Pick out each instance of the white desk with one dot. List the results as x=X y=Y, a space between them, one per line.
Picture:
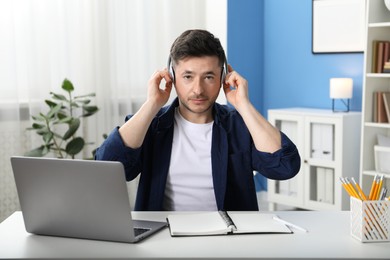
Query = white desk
x=328 y=237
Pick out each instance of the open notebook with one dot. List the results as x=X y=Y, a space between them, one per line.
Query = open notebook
x=222 y=222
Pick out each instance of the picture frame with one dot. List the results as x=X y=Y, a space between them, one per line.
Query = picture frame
x=338 y=26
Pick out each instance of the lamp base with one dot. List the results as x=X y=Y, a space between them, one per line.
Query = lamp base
x=343 y=101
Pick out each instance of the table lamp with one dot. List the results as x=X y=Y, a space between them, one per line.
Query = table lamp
x=341 y=88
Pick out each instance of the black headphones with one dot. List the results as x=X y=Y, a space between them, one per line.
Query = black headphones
x=223 y=75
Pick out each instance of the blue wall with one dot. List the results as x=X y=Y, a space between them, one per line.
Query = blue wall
x=245 y=44
x=269 y=43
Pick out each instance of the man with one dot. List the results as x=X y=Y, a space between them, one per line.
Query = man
x=196 y=154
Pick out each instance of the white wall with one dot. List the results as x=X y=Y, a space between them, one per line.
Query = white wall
x=110 y=47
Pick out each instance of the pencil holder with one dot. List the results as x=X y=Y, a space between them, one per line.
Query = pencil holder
x=370 y=220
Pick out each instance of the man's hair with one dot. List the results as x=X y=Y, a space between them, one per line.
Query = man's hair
x=197 y=43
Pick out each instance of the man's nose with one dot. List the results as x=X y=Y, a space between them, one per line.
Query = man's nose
x=197 y=88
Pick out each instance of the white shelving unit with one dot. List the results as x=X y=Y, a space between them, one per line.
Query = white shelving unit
x=378 y=28
x=328 y=143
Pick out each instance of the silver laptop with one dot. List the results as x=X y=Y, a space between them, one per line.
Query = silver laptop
x=77 y=198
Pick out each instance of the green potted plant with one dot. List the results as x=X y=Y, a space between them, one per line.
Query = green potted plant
x=58 y=127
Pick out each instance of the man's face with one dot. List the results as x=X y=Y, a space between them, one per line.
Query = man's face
x=197 y=82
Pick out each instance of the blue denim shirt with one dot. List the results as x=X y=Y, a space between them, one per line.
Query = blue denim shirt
x=233 y=158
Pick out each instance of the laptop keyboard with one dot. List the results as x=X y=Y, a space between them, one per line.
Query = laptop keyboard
x=139 y=231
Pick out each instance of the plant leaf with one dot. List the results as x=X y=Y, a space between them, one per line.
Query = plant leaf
x=75 y=146
x=43 y=116
x=38 y=118
x=37 y=126
x=63 y=120
x=45 y=149
x=73 y=126
x=54 y=110
x=37 y=152
x=50 y=103
x=61 y=115
x=86 y=95
x=42 y=131
x=67 y=85
x=83 y=101
x=89 y=110
x=59 y=96
x=47 y=137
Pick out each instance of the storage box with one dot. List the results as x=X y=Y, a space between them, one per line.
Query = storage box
x=382 y=159
x=370 y=220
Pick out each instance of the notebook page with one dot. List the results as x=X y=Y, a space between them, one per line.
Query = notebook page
x=195 y=224
x=257 y=222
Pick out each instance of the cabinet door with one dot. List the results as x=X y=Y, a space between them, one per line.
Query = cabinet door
x=288 y=192
x=320 y=161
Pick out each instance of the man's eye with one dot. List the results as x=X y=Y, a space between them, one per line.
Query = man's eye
x=210 y=77
x=187 y=76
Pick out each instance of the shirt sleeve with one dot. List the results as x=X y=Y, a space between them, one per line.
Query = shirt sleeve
x=280 y=165
x=114 y=149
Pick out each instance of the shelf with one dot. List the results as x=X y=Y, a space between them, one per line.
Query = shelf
x=378 y=75
x=378 y=29
x=377 y=125
x=373 y=173
x=376 y=25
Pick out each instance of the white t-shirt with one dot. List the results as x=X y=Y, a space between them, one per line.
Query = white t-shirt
x=190 y=183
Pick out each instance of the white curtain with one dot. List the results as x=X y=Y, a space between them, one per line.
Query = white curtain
x=108 y=47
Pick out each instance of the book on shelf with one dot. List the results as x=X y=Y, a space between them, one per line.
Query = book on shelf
x=379 y=62
x=223 y=223
x=374 y=107
x=380 y=55
x=386 y=67
x=380 y=114
x=386 y=102
x=374 y=56
x=386 y=55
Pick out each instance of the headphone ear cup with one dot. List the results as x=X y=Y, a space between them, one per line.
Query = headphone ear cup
x=170 y=69
x=223 y=76
x=224 y=72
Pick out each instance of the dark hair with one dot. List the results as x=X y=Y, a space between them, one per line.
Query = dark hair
x=197 y=43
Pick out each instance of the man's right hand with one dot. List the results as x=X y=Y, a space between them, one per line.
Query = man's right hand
x=134 y=130
x=159 y=96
